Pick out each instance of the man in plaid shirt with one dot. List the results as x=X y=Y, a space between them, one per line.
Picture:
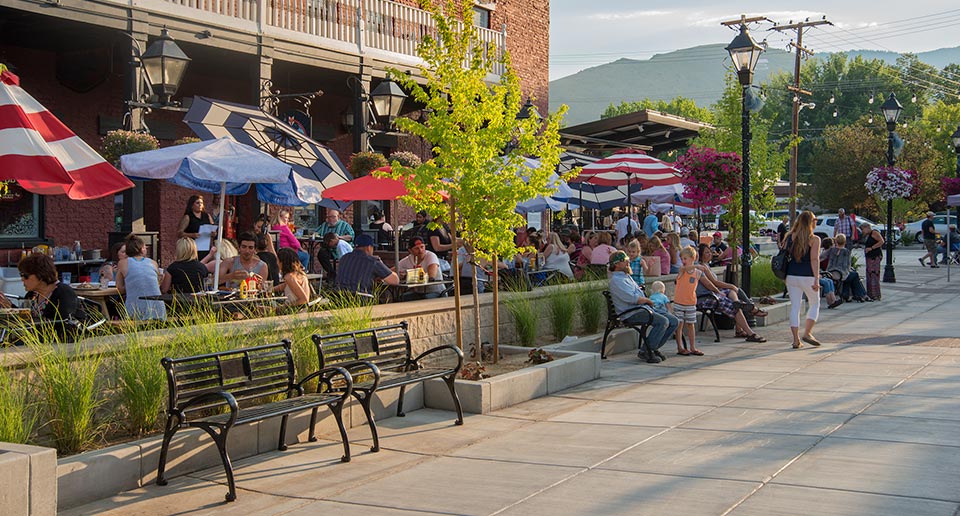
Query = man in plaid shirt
x=844 y=226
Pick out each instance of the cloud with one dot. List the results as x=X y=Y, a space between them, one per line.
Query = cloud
x=857 y=25
x=632 y=15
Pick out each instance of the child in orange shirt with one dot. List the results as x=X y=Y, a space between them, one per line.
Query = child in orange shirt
x=685 y=299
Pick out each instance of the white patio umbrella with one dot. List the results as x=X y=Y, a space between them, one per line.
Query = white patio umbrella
x=207 y=165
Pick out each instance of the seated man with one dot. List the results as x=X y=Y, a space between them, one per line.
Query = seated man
x=332 y=249
x=359 y=269
x=420 y=258
x=626 y=294
x=247 y=263
x=942 y=245
x=718 y=246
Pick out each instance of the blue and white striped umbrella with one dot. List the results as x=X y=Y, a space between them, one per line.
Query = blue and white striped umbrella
x=315 y=167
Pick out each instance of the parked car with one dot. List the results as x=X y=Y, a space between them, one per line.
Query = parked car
x=939 y=224
x=825 y=225
x=773 y=219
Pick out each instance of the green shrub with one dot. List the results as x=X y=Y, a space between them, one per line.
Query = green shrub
x=525 y=316
x=17 y=415
x=563 y=309
x=70 y=394
x=762 y=280
x=592 y=308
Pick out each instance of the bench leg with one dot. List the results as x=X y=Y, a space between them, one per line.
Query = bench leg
x=716 y=330
x=313 y=425
x=220 y=438
x=603 y=344
x=365 y=399
x=400 y=412
x=282 y=445
x=162 y=466
x=449 y=380
x=337 y=409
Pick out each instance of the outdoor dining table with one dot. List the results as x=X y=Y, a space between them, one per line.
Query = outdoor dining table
x=229 y=301
x=396 y=292
x=100 y=296
x=541 y=276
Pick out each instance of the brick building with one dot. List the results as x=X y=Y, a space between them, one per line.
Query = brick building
x=74 y=56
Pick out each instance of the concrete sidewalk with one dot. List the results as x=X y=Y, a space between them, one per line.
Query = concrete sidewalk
x=867 y=424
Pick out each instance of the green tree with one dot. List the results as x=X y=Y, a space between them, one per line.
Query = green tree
x=841 y=160
x=471 y=124
x=679 y=106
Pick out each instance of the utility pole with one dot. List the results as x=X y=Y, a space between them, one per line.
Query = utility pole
x=795 y=89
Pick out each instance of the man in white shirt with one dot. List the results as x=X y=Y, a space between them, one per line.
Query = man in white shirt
x=625 y=225
x=685 y=238
x=420 y=258
x=677 y=220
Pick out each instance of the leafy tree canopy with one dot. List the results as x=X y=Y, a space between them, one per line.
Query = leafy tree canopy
x=471 y=123
x=679 y=106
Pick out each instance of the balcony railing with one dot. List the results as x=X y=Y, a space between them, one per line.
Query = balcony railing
x=377 y=24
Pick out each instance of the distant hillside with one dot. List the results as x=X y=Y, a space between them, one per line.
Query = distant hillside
x=695 y=73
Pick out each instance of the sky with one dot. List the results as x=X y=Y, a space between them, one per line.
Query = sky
x=584 y=34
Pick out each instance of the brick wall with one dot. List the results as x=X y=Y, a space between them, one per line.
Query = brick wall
x=528 y=41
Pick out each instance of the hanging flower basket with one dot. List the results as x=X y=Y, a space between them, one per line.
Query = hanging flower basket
x=951 y=185
x=709 y=177
x=120 y=143
x=891 y=183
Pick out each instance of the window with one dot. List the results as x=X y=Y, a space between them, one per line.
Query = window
x=481 y=17
x=19 y=215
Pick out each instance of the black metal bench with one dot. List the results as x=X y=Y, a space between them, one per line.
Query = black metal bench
x=384 y=358
x=615 y=320
x=216 y=391
x=709 y=314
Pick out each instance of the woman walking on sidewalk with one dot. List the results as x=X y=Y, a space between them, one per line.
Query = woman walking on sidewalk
x=803 y=273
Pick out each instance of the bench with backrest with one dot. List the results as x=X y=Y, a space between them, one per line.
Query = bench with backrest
x=615 y=320
x=381 y=358
x=709 y=314
x=216 y=391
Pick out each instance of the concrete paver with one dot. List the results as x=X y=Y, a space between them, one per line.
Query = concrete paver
x=865 y=425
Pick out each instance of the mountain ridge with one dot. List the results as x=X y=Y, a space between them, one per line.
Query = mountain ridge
x=696 y=73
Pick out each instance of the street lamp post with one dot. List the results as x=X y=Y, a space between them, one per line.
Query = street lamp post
x=891 y=112
x=956 y=148
x=745 y=52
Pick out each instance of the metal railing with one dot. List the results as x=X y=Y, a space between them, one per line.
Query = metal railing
x=377 y=24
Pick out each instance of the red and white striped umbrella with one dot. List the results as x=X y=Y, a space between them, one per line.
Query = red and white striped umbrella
x=629 y=167
x=43 y=155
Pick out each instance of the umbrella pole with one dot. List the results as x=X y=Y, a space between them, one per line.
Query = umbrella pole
x=396 y=235
x=216 y=261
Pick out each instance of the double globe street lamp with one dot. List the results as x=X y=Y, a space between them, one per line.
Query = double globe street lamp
x=891 y=110
x=745 y=53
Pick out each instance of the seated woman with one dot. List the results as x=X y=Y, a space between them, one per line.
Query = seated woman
x=839 y=267
x=294 y=283
x=600 y=253
x=137 y=277
x=556 y=255
x=108 y=271
x=186 y=274
x=654 y=247
x=281 y=223
x=51 y=300
x=727 y=300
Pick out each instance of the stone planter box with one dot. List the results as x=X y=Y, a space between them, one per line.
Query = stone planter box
x=569 y=368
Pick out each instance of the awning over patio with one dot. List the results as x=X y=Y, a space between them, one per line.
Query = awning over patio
x=647 y=130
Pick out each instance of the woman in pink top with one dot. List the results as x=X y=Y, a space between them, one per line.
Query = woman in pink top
x=655 y=248
x=281 y=223
x=600 y=255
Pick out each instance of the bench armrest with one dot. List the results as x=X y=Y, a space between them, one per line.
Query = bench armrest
x=325 y=377
x=206 y=398
x=416 y=361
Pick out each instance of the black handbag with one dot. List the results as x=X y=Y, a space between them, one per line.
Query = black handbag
x=779 y=264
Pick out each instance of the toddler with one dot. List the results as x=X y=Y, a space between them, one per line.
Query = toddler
x=637 y=264
x=685 y=299
x=663 y=306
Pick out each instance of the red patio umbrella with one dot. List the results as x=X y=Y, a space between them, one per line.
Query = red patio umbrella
x=372 y=188
x=629 y=167
x=43 y=155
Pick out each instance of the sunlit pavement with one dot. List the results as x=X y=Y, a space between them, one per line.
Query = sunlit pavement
x=867 y=424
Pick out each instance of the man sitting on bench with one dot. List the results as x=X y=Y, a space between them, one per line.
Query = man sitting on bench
x=626 y=294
